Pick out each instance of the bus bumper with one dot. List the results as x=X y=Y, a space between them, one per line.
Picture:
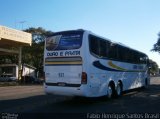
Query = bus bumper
x=66 y=91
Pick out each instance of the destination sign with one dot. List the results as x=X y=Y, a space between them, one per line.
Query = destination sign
x=64 y=53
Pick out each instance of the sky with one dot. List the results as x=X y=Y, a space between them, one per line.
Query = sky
x=135 y=23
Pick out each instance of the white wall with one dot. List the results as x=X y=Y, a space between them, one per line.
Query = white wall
x=28 y=71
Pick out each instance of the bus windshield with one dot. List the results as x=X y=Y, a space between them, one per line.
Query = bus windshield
x=64 y=41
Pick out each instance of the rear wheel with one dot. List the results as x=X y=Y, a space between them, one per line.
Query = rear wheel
x=110 y=91
x=119 y=89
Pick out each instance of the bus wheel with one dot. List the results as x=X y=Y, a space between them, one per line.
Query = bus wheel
x=119 y=89
x=110 y=91
x=146 y=83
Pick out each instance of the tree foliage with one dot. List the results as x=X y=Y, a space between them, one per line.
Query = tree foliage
x=9 y=59
x=156 y=46
x=154 y=67
x=33 y=55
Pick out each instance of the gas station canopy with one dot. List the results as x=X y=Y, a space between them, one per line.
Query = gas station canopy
x=11 y=39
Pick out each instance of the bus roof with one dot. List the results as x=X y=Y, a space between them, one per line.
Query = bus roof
x=90 y=32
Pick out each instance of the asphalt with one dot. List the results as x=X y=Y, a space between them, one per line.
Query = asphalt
x=31 y=100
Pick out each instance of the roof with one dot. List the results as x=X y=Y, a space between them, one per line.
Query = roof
x=26 y=65
x=14 y=37
x=6 y=65
x=29 y=66
x=11 y=39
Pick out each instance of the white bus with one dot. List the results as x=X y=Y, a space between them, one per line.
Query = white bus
x=81 y=63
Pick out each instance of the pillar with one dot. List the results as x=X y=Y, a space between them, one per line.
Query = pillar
x=20 y=64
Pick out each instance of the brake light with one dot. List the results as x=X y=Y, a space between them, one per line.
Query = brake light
x=84 y=78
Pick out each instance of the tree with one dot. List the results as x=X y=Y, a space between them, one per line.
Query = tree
x=33 y=55
x=154 y=67
x=8 y=59
x=156 y=46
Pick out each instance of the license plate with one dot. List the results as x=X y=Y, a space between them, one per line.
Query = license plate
x=61 y=84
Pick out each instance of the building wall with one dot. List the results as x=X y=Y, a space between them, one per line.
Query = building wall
x=13 y=69
x=27 y=71
x=9 y=69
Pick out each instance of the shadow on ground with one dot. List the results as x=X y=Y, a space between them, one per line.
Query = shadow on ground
x=134 y=101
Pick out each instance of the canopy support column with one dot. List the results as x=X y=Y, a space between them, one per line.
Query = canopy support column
x=20 y=64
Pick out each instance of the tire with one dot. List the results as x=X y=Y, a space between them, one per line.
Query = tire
x=110 y=92
x=118 y=90
x=146 y=84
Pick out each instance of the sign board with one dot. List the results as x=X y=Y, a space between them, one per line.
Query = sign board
x=15 y=35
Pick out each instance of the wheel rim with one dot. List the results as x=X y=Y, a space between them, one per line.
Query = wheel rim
x=110 y=92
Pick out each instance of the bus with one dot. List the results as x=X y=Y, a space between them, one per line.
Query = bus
x=81 y=63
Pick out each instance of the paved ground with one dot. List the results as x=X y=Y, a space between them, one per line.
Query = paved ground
x=17 y=92
x=32 y=100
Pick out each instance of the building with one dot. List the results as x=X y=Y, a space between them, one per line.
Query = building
x=10 y=71
x=11 y=42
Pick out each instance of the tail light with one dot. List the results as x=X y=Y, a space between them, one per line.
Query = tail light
x=84 y=78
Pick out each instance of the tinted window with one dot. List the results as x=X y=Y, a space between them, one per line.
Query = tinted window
x=106 y=49
x=94 y=45
x=112 y=51
x=102 y=48
x=64 y=41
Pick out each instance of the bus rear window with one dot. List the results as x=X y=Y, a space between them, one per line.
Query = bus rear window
x=64 y=41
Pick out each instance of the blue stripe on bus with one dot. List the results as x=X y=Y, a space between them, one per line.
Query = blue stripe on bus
x=62 y=64
x=98 y=65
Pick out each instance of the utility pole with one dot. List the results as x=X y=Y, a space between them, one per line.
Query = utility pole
x=22 y=22
x=20 y=70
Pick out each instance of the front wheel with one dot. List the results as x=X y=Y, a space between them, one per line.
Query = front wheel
x=146 y=83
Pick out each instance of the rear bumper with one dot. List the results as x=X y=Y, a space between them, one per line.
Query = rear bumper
x=70 y=90
x=63 y=84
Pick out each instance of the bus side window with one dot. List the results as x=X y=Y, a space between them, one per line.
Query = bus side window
x=112 y=51
x=103 y=48
x=94 y=45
